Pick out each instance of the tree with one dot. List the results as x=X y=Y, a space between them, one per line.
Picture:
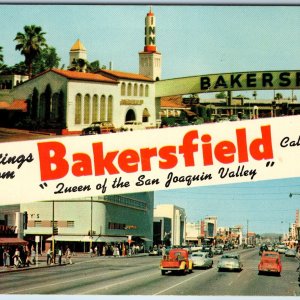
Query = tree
x=30 y=43
x=79 y=65
x=221 y=95
x=47 y=59
x=278 y=96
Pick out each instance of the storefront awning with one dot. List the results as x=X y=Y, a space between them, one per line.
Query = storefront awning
x=146 y=239
x=86 y=238
x=12 y=241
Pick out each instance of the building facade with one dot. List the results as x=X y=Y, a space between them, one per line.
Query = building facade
x=178 y=222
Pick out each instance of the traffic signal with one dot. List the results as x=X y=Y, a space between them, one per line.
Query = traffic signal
x=55 y=231
x=25 y=219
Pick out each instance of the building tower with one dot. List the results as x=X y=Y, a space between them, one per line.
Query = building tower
x=78 y=51
x=150 y=59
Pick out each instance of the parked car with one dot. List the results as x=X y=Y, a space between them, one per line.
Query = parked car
x=208 y=250
x=176 y=261
x=270 y=262
x=132 y=125
x=281 y=249
x=230 y=261
x=218 y=250
x=98 y=128
x=290 y=253
x=155 y=251
x=201 y=260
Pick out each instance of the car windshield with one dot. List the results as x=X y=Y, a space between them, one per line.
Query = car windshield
x=198 y=254
x=271 y=255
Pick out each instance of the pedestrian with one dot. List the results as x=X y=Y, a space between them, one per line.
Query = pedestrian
x=96 y=251
x=7 y=258
x=33 y=254
x=17 y=258
x=91 y=252
x=49 y=256
x=59 y=253
x=68 y=256
x=104 y=250
x=4 y=256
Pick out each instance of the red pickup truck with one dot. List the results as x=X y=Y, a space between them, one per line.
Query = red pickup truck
x=176 y=261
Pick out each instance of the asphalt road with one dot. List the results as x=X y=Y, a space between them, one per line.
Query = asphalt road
x=141 y=276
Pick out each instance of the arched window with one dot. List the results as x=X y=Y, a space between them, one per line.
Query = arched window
x=129 y=89
x=135 y=89
x=110 y=108
x=141 y=94
x=78 y=109
x=147 y=90
x=55 y=106
x=102 y=108
x=95 y=109
x=146 y=115
x=123 y=89
x=130 y=115
x=42 y=107
x=86 y=109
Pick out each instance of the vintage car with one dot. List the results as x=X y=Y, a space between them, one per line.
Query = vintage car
x=208 y=250
x=201 y=260
x=262 y=249
x=177 y=260
x=290 y=253
x=218 y=250
x=132 y=125
x=270 y=262
x=230 y=261
x=98 y=128
x=281 y=249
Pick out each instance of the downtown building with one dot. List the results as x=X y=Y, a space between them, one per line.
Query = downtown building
x=73 y=100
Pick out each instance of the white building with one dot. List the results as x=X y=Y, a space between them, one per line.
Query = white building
x=178 y=221
x=71 y=100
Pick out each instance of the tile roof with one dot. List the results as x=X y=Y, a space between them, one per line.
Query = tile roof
x=4 y=105
x=18 y=105
x=124 y=75
x=172 y=101
x=83 y=76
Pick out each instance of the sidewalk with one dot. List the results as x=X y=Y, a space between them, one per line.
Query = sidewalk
x=78 y=257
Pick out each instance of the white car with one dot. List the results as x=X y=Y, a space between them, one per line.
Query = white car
x=201 y=260
x=132 y=125
x=230 y=261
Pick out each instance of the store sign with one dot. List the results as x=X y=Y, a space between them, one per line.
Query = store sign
x=131 y=102
x=237 y=81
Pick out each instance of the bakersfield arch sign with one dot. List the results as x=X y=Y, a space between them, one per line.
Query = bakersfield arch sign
x=243 y=81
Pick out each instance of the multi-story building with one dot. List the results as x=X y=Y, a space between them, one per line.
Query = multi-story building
x=178 y=222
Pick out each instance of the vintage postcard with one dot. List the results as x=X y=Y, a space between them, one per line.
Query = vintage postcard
x=149 y=150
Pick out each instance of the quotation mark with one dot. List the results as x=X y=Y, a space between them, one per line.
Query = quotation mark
x=270 y=164
x=42 y=185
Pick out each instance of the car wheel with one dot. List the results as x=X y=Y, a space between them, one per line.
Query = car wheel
x=163 y=272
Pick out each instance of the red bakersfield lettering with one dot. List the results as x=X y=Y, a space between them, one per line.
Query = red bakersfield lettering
x=54 y=165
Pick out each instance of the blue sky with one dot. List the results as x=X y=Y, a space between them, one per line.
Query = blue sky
x=193 y=40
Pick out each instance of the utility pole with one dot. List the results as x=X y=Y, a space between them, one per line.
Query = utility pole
x=247 y=231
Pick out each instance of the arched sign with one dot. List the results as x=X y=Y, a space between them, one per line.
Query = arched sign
x=239 y=81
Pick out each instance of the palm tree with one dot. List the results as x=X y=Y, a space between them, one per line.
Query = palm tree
x=1 y=55
x=30 y=44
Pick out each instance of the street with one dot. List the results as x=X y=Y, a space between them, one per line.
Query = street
x=141 y=276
